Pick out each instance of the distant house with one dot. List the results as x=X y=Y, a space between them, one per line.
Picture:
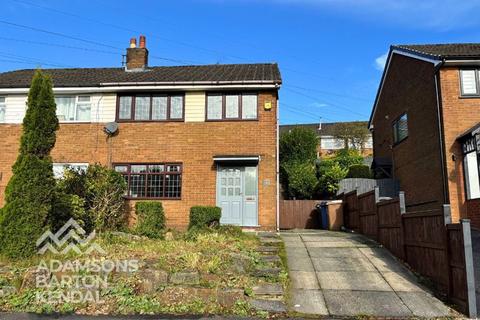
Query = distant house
x=426 y=126
x=329 y=143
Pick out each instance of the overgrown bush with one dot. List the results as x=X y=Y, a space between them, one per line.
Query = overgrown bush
x=331 y=174
x=302 y=179
x=150 y=219
x=346 y=158
x=29 y=194
x=102 y=189
x=203 y=216
x=298 y=145
x=359 y=171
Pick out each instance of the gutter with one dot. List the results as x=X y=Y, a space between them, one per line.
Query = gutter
x=446 y=196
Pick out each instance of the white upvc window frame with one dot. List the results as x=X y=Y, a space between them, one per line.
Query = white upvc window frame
x=60 y=167
x=476 y=84
x=78 y=103
x=3 y=109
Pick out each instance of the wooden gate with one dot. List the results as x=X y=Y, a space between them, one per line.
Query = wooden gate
x=299 y=214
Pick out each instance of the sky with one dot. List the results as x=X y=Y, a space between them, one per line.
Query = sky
x=331 y=53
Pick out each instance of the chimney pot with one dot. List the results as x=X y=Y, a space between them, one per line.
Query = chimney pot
x=133 y=42
x=143 y=41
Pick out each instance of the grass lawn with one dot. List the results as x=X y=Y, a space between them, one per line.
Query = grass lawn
x=202 y=273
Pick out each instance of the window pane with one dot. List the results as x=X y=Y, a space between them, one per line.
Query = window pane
x=173 y=185
x=231 y=106
x=2 y=99
x=125 y=111
x=469 y=83
x=121 y=168
x=400 y=129
x=250 y=181
x=173 y=168
x=140 y=168
x=2 y=113
x=153 y=168
x=214 y=107
x=84 y=99
x=471 y=175
x=155 y=186
x=65 y=108
x=137 y=185
x=159 y=108
x=142 y=108
x=83 y=112
x=249 y=106
x=176 y=107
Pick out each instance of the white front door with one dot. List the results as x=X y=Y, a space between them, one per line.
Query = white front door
x=237 y=195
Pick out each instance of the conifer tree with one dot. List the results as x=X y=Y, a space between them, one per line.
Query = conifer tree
x=29 y=195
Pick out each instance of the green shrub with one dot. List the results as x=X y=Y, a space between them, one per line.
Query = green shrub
x=201 y=216
x=299 y=145
x=330 y=175
x=150 y=219
x=302 y=179
x=102 y=190
x=30 y=191
x=359 y=171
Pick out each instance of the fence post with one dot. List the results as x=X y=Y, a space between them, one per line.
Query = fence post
x=375 y=207
x=401 y=200
x=467 y=245
x=447 y=214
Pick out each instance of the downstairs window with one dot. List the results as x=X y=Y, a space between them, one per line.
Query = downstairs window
x=152 y=180
x=470 y=168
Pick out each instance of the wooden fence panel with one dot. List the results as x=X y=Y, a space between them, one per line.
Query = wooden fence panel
x=367 y=214
x=457 y=288
x=299 y=214
x=390 y=229
x=352 y=219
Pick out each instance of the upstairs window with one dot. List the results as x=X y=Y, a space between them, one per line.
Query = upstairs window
x=3 y=108
x=469 y=82
x=232 y=106
x=400 y=128
x=73 y=108
x=152 y=181
x=147 y=107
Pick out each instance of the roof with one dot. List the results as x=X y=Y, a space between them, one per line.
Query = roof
x=327 y=129
x=470 y=132
x=195 y=74
x=446 y=51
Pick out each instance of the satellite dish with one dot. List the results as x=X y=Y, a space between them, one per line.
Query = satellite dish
x=110 y=128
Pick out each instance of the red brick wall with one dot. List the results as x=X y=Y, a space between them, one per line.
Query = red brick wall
x=460 y=114
x=192 y=143
x=410 y=87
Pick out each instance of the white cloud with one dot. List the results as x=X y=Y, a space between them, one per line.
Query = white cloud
x=380 y=61
x=318 y=105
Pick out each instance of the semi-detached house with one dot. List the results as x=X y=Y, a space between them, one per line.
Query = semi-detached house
x=187 y=135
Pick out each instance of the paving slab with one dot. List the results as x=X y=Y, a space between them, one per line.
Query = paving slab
x=382 y=259
x=334 y=252
x=402 y=282
x=296 y=252
x=308 y=302
x=300 y=264
x=366 y=303
x=315 y=238
x=352 y=280
x=268 y=305
x=342 y=264
x=304 y=280
x=294 y=244
x=335 y=244
x=424 y=305
x=270 y=289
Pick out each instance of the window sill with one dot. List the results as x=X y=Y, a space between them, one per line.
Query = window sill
x=150 y=121
x=230 y=120
x=473 y=96
x=74 y=122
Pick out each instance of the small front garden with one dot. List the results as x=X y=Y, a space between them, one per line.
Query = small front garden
x=212 y=271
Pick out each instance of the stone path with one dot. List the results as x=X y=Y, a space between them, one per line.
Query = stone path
x=343 y=274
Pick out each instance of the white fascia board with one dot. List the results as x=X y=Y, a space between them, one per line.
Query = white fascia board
x=462 y=63
x=120 y=88
x=435 y=62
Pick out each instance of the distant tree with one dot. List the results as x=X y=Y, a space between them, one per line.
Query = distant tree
x=29 y=196
x=354 y=134
x=299 y=144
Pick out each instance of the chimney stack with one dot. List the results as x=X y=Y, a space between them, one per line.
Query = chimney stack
x=137 y=58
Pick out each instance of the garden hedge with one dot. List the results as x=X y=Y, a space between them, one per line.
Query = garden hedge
x=203 y=216
x=150 y=219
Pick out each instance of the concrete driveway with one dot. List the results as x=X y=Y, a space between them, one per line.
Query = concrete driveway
x=344 y=274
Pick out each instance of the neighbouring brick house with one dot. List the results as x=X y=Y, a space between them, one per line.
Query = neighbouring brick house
x=426 y=126
x=328 y=142
x=187 y=135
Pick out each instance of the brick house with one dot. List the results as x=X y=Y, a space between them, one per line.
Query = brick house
x=426 y=124
x=187 y=135
x=328 y=143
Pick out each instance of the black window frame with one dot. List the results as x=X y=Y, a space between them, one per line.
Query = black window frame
x=395 y=129
x=477 y=85
x=151 y=95
x=164 y=173
x=224 y=105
